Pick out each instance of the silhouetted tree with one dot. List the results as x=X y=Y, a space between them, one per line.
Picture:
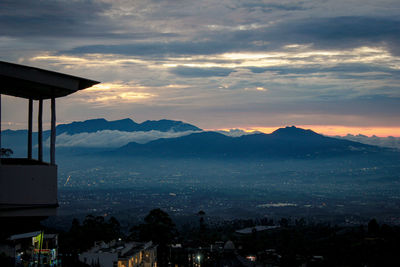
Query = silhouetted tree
x=75 y=226
x=386 y=230
x=373 y=227
x=82 y=236
x=6 y=152
x=114 y=227
x=202 y=225
x=284 y=222
x=158 y=227
x=300 y=222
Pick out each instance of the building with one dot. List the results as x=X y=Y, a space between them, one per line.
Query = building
x=121 y=254
x=144 y=255
x=35 y=248
x=28 y=186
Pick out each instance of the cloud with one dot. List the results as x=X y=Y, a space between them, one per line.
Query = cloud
x=108 y=93
x=268 y=7
x=236 y=132
x=343 y=32
x=53 y=18
x=201 y=72
x=236 y=61
x=162 y=48
x=346 y=32
x=390 y=141
x=112 y=139
x=340 y=68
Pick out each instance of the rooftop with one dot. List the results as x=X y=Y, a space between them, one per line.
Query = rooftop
x=29 y=82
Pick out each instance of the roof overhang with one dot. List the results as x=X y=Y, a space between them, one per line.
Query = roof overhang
x=34 y=83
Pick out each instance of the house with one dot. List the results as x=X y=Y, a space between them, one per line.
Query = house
x=140 y=256
x=121 y=254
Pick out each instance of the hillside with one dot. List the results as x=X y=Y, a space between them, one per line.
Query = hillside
x=285 y=142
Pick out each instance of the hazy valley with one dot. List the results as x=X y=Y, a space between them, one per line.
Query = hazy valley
x=290 y=173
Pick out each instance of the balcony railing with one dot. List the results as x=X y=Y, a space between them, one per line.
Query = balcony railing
x=27 y=184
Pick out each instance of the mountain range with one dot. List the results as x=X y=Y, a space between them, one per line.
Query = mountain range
x=124 y=125
x=17 y=139
x=289 y=142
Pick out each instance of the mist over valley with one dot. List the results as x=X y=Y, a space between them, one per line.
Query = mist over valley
x=114 y=169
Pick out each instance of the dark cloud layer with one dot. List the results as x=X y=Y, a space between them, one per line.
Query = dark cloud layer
x=157 y=48
x=364 y=70
x=268 y=7
x=343 y=32
x=332 y=32
x=323 y=33
x=53 y=18
x=86 y=19
x=201 y=72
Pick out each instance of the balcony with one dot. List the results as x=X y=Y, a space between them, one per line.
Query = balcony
x=28 y=187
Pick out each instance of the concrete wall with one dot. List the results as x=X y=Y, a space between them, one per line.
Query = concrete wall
x=28 y=185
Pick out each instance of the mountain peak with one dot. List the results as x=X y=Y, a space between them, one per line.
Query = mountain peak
x=293 y=131
x=89 y=121
x=165 y=125
x=125 y=120
x=288 y=142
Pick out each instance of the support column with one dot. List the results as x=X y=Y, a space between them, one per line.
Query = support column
x=40 y=131
x=30 y=119
x=53 y=132
x=0 y=128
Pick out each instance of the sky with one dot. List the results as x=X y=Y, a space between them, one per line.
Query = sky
x=328 y=65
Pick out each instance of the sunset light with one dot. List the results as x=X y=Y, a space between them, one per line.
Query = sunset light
x=199 y=133
x=338 y=130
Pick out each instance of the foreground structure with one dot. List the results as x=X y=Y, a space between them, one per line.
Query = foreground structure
x=28 y=186
x=33 y=249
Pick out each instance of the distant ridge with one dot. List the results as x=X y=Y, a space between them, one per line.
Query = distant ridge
x=125 y=125
x=293 y=131
x=290 y=142
x=17 y=140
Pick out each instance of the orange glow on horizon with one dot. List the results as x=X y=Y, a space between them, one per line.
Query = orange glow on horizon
x=344 y=130
x=332 y=130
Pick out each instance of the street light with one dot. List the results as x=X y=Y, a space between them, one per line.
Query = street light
x=198 y=259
